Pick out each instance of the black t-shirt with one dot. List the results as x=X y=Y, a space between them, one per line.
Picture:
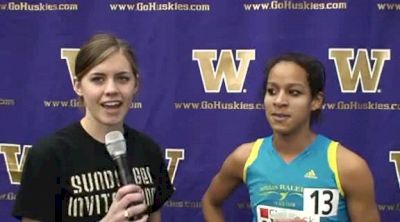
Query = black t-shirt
x=69 y=176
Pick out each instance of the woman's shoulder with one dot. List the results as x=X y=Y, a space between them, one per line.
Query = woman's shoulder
x=352 y=168
x=56 y=139
x=234 y=164
x=345 y=156
x=141 y=138
x=243 y=151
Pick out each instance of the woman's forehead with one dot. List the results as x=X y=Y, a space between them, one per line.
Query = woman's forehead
x=287 y=72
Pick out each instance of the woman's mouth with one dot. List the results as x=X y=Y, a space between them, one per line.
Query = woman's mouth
x=111 y=104
x=280 y=116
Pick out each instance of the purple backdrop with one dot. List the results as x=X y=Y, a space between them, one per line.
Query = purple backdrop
x=201 y=65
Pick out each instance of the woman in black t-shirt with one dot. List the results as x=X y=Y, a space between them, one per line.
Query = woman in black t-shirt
x=69 y=176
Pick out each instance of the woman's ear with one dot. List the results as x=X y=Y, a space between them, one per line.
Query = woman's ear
x=317 y=101
x=77 y=87
x=137 y=83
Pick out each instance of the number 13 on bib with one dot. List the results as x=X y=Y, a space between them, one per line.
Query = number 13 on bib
x=321 y=202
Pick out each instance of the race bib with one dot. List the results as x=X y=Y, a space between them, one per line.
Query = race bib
x=277 y=214
x=321 y=202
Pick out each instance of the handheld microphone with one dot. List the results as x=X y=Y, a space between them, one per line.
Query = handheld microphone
x=116 y=147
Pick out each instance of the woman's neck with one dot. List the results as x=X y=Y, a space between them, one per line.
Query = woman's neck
x=98 y=130
x=290 y=145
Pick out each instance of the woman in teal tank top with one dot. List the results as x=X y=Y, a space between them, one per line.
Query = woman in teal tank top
x=295 y=174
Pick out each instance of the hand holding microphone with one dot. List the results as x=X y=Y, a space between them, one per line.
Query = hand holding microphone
x=128 y=204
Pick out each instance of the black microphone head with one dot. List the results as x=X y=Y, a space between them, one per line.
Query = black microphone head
x=115 y=143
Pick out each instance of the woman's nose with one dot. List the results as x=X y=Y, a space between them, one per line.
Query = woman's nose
x=281 y=99
x=110 y=87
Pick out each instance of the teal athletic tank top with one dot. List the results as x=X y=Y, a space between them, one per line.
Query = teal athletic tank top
x=305 y=189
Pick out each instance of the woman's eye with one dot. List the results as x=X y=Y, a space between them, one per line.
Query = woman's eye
x=123 y=78
x=295 y=92
x=97 y=79
x=271 y=91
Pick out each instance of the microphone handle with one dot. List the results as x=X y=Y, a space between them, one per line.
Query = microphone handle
x=125 y=173
x=126 y=177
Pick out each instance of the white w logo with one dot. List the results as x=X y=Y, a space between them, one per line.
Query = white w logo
x=350 y=77
x=226 y=69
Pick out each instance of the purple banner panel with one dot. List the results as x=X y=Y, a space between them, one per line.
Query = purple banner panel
x=201 y=66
